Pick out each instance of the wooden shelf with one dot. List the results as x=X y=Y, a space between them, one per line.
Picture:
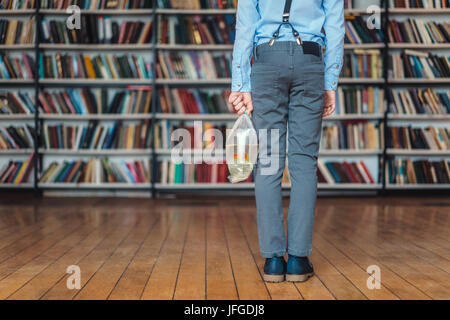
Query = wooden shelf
x=360 y=81
x=349 y=153
x=17 y=47
x=23 y=12
x=95 y=152
x=417 y=152
x=86 y=117
x=88 y=82
x=409 y=11
x=99 y=47
x=226 y=81
x=417 y=186
x=16 y=186
x=419 y=80
x=94 y=186
x=107 y=12
x=15 y=152
x=364 y=46
x=419 y=117
x=224 y=47
x=13 y=117
x=15 y=82
x=419 y=46
x=192 y=11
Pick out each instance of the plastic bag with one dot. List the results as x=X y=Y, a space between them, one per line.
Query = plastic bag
x=241 y=149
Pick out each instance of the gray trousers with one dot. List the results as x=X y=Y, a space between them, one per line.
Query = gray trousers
x=288 y=99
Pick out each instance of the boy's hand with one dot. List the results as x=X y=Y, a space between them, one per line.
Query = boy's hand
x=242 y=101
x=330 y=103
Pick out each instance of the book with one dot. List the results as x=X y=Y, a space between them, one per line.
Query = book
x=363 y=64
x=356 y=31
x=17 y=137
x=418 y=64
x=95 y=5
x=97 y=136
x=193 y=101
x=80 y=66
x=360 y=100
x=132 y=100
x=413 y=138
x=414 y=101
x=197 y=4
x=16 y=102
x=17 y=172
x=199 y=29
x=352 y=135
x=193 y=65
x=418 y=31
x=17 y=31
x=17 y=67
x=97 y=171
x=407 y=171
x=17 y=5
x=97 y=30
x=414 y=4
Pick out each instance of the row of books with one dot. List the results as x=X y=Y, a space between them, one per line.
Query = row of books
x=202 y=135
x=418 y=101
x=356 y=31
x=16 y=137
x=418 y=31
x=134 y=100
x=16 y=172
x=17 y=4
x=104 y=66
x=426 y=4
x=417 y=64
x=169 y=172
x=137 y=100
x=197 y=4
x=97 y=136
x=409 y=138
x=356 y=100
x=16 y=103
x=97 y=4
x=408 y=171
x=15 y=67
x=193 y=65
x=218 y=29
x=333 y=172
x=363 y=64
x=191 y=101
x=17 y=31
x=97 y=30
x=96 y=171
x=356 y=135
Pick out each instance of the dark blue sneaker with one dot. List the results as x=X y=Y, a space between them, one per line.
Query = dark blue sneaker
x=299 y=269
x=274 y=269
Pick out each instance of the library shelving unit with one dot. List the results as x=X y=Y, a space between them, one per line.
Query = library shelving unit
x=45 y=156
x=375 y=159
x=438 y=84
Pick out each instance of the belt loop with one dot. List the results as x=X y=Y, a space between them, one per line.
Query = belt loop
x=291 y=48
x=255 y=57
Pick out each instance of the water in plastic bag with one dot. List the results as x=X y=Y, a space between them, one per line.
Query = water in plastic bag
x=241 y=149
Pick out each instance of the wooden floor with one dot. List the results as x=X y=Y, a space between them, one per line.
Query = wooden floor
x=208 y=249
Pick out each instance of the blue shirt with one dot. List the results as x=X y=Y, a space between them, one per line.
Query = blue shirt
x=257 y=20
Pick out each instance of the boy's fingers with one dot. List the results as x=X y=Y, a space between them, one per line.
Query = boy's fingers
x=238 y=100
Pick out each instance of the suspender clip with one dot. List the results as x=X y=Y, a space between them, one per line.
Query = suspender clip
x=297 y=37
x=272 y=41
x=286 y=17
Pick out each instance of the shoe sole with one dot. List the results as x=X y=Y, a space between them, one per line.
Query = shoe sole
x=273 y=278
x=298 y=277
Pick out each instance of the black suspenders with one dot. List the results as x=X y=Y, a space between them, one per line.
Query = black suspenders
x=286 y=16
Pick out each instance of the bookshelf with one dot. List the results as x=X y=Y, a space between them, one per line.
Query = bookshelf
x=376 y=158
